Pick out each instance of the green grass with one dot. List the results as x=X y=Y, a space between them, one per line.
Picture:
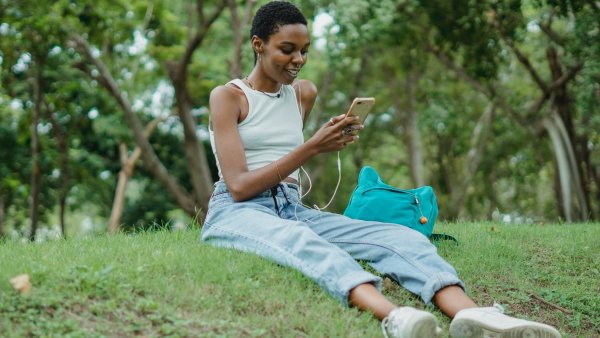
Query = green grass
x=171 y=284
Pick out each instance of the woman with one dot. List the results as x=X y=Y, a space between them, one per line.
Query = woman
x=256 y=134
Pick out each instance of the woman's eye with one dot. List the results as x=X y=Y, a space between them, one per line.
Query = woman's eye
x=287 y=51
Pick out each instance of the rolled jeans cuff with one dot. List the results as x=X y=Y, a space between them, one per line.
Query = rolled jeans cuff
x=438 y=282
x=352 y=280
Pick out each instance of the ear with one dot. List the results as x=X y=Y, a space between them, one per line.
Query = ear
x=257 y=44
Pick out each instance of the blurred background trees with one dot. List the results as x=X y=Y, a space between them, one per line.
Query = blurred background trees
x=103 y=106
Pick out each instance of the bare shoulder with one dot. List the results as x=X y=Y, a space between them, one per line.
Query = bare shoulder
x=226 y=99
x=225 y=93
x=308 y=90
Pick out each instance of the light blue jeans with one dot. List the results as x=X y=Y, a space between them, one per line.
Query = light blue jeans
x=325 y=246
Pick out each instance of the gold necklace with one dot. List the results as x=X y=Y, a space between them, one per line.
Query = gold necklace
x=271 y=95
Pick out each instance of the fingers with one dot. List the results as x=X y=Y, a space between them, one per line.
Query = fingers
x=343 y=121
x=334 y=120
x=346 y=140
x=349 y=125
x=338 y=132
x=352 y=129
x=352 y=139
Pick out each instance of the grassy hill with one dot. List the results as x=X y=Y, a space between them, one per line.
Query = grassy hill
x=171 y=284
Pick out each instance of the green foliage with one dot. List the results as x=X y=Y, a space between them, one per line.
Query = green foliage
x=473 y=36
x=370 y=49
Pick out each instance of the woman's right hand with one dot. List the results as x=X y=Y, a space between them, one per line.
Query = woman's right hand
x=331 y=136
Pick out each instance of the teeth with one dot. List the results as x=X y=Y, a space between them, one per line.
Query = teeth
x=293 y=72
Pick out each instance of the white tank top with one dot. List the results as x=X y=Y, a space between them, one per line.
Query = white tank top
x=271 y=130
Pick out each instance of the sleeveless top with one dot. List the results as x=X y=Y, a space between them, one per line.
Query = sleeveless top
x=272 y=128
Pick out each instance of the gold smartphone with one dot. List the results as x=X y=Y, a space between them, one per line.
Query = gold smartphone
x=361 y=106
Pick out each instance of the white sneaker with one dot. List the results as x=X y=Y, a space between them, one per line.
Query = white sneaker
x=408 y=322
x=491 y=322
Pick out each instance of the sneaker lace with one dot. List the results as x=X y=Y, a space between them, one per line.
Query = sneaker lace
x=391 y=325
x=498 y=307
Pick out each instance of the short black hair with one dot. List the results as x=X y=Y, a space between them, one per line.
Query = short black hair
x=273 y=15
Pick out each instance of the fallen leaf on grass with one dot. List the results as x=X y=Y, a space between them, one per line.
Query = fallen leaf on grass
x=21 y=283
x=387 y=283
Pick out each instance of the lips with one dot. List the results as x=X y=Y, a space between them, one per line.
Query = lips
x=293 y=72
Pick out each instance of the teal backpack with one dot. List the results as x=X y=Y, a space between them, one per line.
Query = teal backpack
x=373 y=200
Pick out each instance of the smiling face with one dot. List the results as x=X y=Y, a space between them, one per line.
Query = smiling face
x=284 y=54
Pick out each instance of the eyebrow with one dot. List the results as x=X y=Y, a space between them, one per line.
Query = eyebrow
x=293 y=44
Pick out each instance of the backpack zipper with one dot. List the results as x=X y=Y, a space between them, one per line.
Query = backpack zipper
x=422 y=219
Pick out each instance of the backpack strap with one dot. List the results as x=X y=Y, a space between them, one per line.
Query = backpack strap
x=436 y=239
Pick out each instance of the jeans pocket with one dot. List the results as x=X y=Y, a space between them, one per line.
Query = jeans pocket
x=219 y=200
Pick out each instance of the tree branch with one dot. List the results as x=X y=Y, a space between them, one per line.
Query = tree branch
x=520 y=56
x=489 y=92
x=200 y=11
x=237 y=25
x=446 y=61
x=554 y=85
x=536 y=297
x=197 y=39
x=524 y=60
x=151 y=160
x=200 y=178
x=566 y=77
x=547 y=29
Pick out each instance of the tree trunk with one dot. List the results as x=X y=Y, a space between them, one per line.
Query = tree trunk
x=490 y=192
x=564 y=169
x=561 y=131
x=36 y=171
x=194 y=150
x=548 y=90
x=406 y=114
x=575 y=146
x=2 y=234
x=63 y=202
x=413 y=133
x=443 y=184
x=125 y=174
x=594 y=176
x=199 y=171
x=237 y=28
x=118 y=203
x=63 y=148
x=151 y=161
x=178 y=72
x=471 y=162
x=360 y=75
x=570 y=181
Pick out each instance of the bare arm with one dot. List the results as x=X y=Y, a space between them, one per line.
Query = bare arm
x=226 y=107
x=306 y=91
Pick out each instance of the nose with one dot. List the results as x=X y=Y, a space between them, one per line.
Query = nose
x=298 y=59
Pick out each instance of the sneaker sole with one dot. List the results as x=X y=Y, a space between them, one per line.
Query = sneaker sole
x=467 y=328
x=426 y=327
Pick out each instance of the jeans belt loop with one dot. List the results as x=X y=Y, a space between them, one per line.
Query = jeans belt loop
x=274 y=195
